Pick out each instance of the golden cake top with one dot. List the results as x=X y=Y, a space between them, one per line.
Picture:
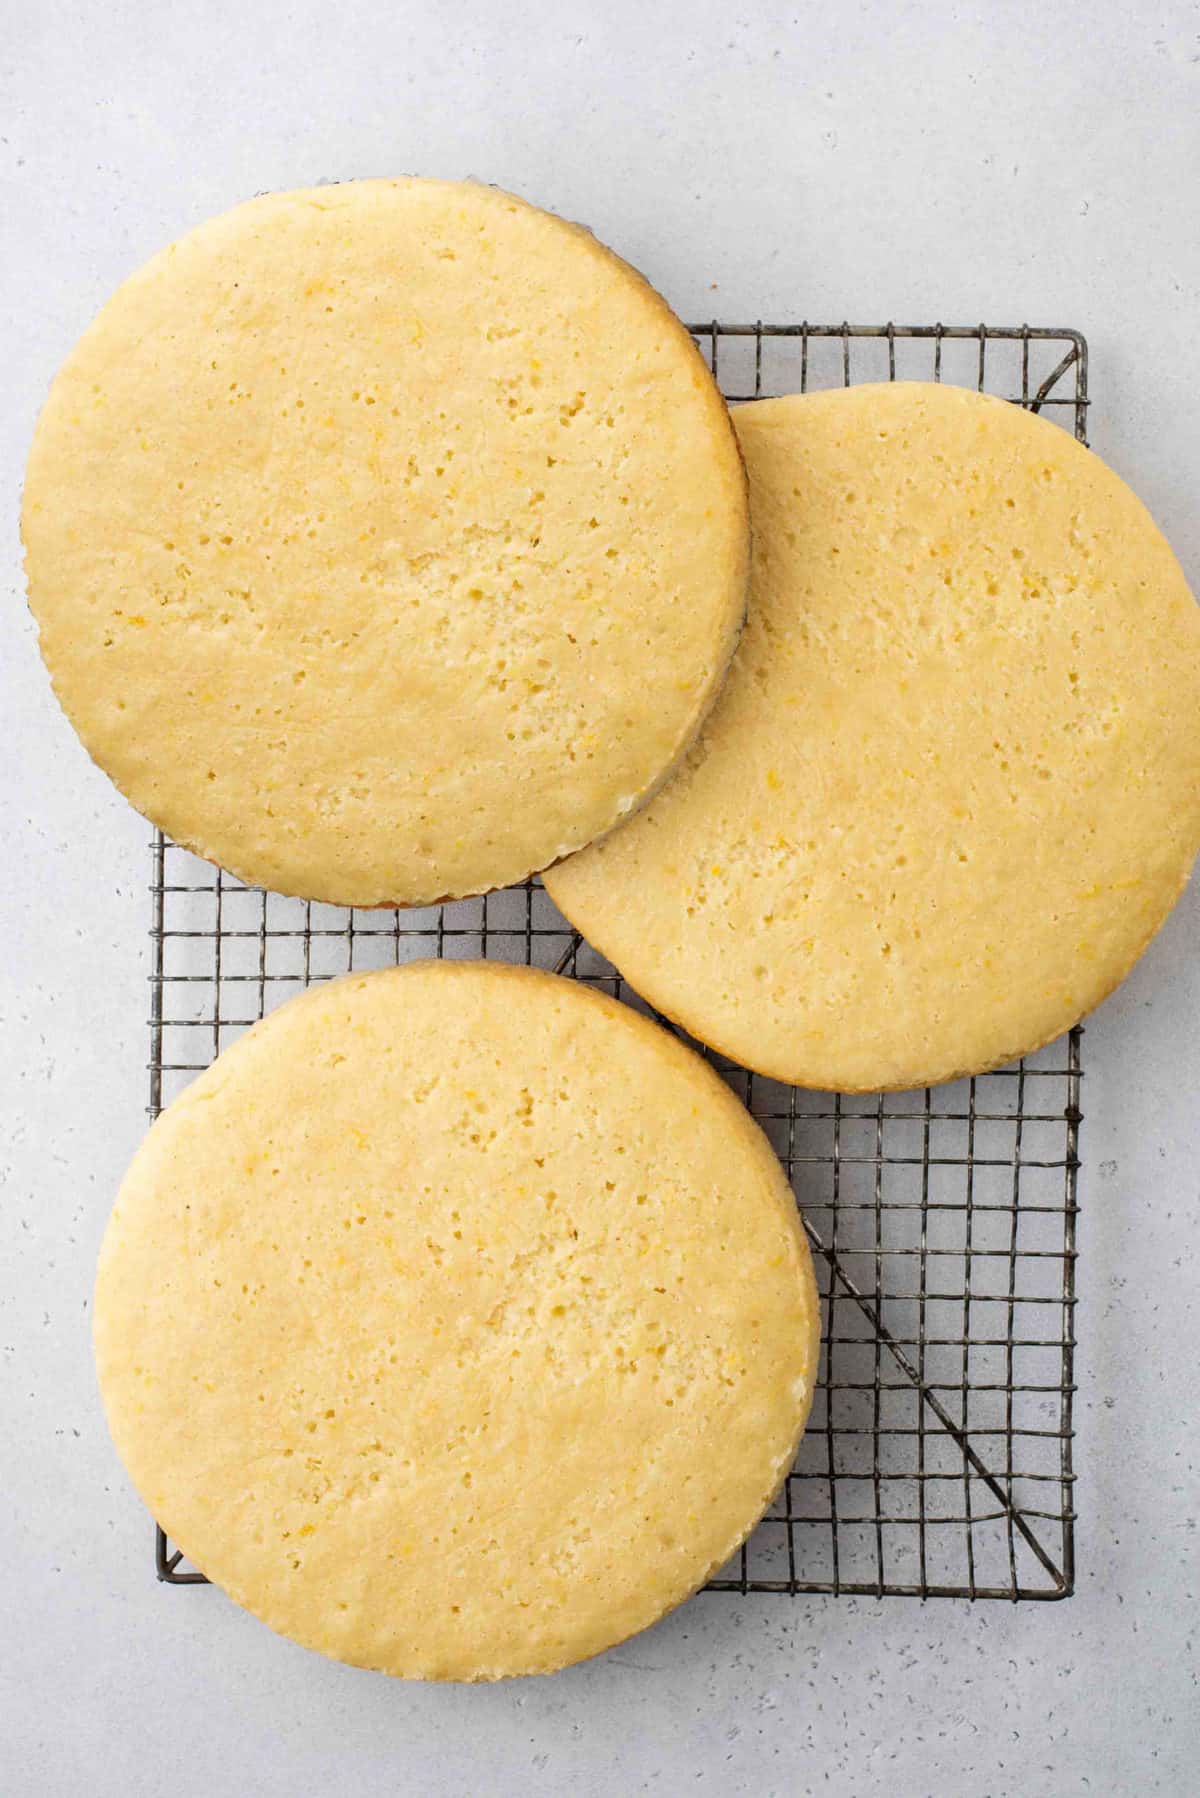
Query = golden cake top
x=386 y=540
x=952 y=785
x=457 y=1321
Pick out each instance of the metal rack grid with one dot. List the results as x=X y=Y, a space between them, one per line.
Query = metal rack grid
x=937 y=1462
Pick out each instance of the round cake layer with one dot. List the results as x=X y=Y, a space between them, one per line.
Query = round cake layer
x=456 y=1321
x=386 y=541
x=952 y=785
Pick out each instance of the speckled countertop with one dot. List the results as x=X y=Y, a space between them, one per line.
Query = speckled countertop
x=999 y=160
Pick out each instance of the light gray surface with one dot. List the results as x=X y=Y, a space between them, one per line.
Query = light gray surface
x=916 y=161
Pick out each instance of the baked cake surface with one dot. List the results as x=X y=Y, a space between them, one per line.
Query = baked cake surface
x=456 y=1321
x=951 y=788
x=386 y=540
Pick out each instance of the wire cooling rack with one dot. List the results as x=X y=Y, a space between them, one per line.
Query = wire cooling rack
x=937 y=1462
